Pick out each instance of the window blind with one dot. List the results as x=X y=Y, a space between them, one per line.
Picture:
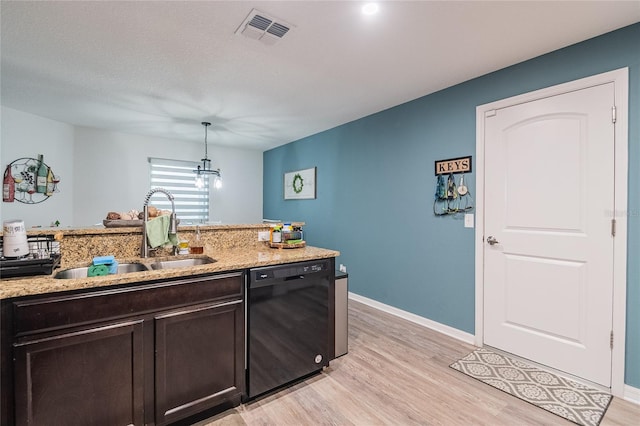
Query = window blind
x=177 y=177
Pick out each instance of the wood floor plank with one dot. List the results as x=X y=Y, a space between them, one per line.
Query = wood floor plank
x=397 y=373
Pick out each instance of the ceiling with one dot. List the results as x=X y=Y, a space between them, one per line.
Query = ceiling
x=160 y=68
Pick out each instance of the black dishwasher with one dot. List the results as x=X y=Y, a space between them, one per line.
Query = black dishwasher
x=287 y=323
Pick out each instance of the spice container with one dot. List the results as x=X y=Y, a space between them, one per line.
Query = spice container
x=276 y=234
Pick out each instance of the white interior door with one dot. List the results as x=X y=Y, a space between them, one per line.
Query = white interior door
x=549 y=198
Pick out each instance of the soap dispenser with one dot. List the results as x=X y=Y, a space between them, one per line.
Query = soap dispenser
x=196 y=246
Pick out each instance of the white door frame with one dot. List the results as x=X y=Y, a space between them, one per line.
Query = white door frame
x=620 y=78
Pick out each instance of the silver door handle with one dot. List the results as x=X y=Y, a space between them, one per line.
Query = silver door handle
x=491 y=240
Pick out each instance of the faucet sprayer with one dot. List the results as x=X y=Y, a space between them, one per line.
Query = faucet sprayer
x=173 y=224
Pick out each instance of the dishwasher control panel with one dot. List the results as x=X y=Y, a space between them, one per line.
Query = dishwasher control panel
x=313 y=268
x=289 y=270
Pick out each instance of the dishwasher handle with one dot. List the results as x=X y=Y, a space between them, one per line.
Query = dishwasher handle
x=294 y=277
x=274 y=282
x=288 y=272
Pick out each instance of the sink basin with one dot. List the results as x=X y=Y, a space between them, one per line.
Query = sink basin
x=181 y=263
x=123 y=268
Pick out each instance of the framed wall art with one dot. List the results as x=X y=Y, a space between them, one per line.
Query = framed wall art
x=300 y=185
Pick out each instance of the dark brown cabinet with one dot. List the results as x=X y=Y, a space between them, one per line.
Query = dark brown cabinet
x=197 y=359
x=88 y=377
x=149 y=353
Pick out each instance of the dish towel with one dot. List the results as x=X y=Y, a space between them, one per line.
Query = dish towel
x=158 y=232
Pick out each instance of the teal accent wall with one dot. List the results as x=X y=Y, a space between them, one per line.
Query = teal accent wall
x=375 y=186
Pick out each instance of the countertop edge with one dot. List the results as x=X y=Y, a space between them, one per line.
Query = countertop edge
x=226 y=261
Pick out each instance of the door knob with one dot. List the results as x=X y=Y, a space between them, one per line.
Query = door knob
x=491 y=240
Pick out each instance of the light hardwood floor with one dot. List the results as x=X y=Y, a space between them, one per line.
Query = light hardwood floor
x=397 y=373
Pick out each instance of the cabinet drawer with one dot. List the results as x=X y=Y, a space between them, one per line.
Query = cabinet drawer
x=51 y=313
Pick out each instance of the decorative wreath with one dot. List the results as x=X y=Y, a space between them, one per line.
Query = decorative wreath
x=297 y=183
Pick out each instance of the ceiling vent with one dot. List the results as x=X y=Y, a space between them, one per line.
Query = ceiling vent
x=260 y=26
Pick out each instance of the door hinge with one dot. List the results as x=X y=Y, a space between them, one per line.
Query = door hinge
x=613 y=114
x=611 y=340
x=490 y=113
x=613 y=227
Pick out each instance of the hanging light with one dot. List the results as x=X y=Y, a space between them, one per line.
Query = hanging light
x=205 y=169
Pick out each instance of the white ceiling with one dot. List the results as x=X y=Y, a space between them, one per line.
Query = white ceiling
x=160 y=68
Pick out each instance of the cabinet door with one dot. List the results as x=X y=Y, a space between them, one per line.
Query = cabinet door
x=199 y=359
x=87 y=377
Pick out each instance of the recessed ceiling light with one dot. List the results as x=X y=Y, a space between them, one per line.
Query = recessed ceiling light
x=370 y=8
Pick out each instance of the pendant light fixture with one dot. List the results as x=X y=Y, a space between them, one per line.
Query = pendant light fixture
x=205 y=169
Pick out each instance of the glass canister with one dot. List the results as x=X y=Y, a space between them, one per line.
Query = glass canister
x=196 y=246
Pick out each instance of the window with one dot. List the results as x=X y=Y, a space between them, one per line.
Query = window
x=177 y=177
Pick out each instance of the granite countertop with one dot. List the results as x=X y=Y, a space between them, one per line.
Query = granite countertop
x=226 y=260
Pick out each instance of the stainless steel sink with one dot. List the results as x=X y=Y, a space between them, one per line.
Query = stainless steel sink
x=123 y=268
x=181 y=263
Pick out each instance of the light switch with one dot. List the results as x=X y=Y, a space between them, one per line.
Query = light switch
x=468 y=220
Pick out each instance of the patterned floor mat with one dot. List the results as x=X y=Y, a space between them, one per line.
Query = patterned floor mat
x=576 y=402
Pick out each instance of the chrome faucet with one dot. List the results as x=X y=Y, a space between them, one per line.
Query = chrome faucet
x=173 y=224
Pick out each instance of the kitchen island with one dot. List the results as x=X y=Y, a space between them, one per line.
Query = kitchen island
x=146 y=347
x=233 y=247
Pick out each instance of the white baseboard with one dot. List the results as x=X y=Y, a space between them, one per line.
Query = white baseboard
x=417 y=319
x=632 y=394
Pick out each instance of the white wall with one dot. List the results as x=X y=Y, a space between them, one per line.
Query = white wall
x=27 y=135
x=106 y=171
x=112 y=174
x=240 y=198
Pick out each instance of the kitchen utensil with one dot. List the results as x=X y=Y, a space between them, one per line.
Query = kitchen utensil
x=14 y=239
